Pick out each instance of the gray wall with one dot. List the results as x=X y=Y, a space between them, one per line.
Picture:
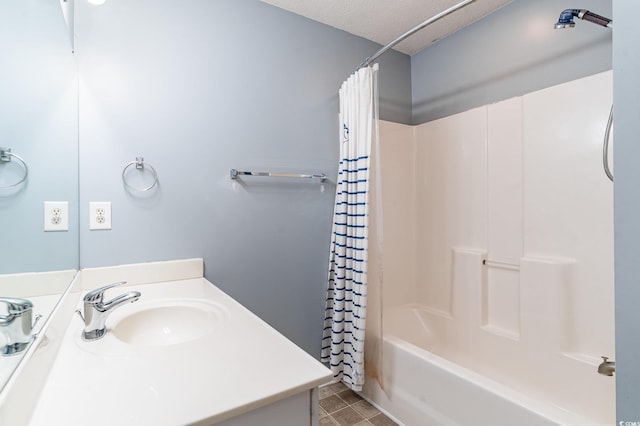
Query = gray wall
x=38 y=121
x=202 y=87
x=511 y=52
x=626 y=93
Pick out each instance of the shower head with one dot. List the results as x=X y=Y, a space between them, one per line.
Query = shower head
x=566 y=18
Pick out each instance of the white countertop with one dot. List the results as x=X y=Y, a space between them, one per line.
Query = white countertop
x=243 y=364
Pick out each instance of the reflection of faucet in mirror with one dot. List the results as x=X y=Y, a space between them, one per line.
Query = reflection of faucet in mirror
x=16 y=326
x=96 y=310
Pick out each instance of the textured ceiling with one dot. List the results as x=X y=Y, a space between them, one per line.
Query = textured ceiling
x=384 y=20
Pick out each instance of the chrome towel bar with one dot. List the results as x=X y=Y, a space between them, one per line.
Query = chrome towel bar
x=233 y=174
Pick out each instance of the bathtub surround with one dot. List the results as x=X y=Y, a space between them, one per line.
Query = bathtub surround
x=518 y=184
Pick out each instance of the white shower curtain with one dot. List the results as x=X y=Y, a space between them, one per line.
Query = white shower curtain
x=346 y=304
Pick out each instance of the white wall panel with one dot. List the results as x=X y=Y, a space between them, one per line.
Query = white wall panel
x=398 y=200
x=504 y=174
x=568 y=203
x=504 y=216
x=451 y=201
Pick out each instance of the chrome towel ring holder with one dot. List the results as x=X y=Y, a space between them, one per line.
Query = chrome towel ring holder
x=5 y=157
x=140 y=165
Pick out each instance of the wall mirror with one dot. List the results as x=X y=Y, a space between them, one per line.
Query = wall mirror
x=39 y=168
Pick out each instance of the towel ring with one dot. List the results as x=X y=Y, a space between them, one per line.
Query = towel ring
x=140 y=165
x=5 y=157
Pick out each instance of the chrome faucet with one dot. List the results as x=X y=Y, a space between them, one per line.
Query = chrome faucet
x=96 y=310
x=607 y=367
x=16 y=326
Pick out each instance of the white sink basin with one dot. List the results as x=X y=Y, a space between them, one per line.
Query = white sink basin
x=169 y=322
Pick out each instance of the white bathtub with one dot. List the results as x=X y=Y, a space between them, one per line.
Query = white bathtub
x=424 y=389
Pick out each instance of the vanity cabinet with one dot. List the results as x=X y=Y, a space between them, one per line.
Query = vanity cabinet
x=300 y=409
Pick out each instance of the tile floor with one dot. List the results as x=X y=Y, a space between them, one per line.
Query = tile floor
x=340 y=406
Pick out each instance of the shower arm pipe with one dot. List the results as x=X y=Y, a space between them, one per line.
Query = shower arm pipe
x=566 y=18
x=371 y=59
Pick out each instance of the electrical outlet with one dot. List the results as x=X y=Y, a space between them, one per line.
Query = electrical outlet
x=99 y=215
x=56 y=216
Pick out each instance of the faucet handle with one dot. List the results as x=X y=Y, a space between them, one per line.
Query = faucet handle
x=16 y=306
x=96 y=296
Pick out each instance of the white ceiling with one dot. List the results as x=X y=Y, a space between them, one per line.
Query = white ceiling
x=384 y=20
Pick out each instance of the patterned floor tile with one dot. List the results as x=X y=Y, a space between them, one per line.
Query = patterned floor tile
x=340 y=406
x=332 y=403
x=365 y=409
x=347 y=417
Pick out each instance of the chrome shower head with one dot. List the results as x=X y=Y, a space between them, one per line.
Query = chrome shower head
x=566 y=18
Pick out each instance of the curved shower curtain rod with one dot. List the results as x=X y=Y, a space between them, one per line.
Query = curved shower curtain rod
x=414 y=30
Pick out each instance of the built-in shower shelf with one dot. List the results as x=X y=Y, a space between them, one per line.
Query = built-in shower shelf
x=501 y=332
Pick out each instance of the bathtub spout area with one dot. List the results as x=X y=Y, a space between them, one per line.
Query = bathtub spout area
x=607 y=367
